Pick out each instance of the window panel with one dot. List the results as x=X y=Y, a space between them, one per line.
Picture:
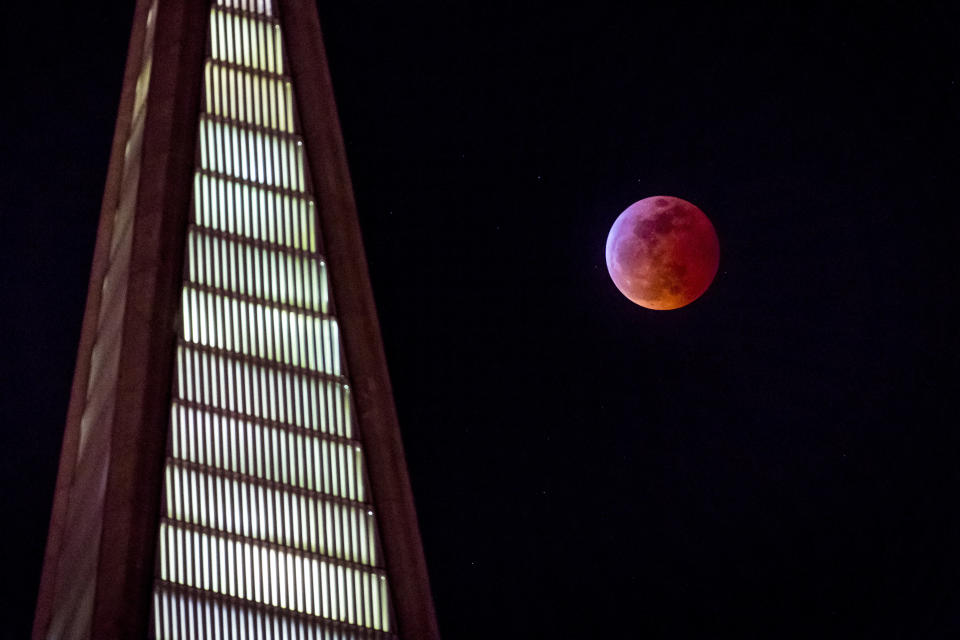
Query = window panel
x=299 y=340
x=243 y=153
x=228 y=206
x=200 y=429
x=328 y=412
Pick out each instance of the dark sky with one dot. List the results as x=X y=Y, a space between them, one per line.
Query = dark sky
x=778 y=459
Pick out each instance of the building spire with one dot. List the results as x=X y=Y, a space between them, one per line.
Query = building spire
x=233 y=466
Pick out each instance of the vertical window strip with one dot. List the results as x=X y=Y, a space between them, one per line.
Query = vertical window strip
x=270 y=66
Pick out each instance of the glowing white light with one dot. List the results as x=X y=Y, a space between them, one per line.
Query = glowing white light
x=264 y=491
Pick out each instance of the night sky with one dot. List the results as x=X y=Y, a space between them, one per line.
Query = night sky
x=778 y=459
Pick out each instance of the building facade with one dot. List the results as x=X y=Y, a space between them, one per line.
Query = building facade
x=232 y=464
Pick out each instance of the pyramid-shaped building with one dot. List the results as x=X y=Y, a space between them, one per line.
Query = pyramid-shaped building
x=232 y=465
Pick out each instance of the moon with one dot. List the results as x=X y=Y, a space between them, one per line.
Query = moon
x=662 y=252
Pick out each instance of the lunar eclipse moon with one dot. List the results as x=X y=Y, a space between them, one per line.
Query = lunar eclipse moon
x=662 y=252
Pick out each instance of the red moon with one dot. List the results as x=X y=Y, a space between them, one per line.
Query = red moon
x=662 y=252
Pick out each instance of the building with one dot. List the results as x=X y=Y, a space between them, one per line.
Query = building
x=231 y=464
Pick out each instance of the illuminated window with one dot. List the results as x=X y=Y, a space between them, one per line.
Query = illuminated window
x=267 y=521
